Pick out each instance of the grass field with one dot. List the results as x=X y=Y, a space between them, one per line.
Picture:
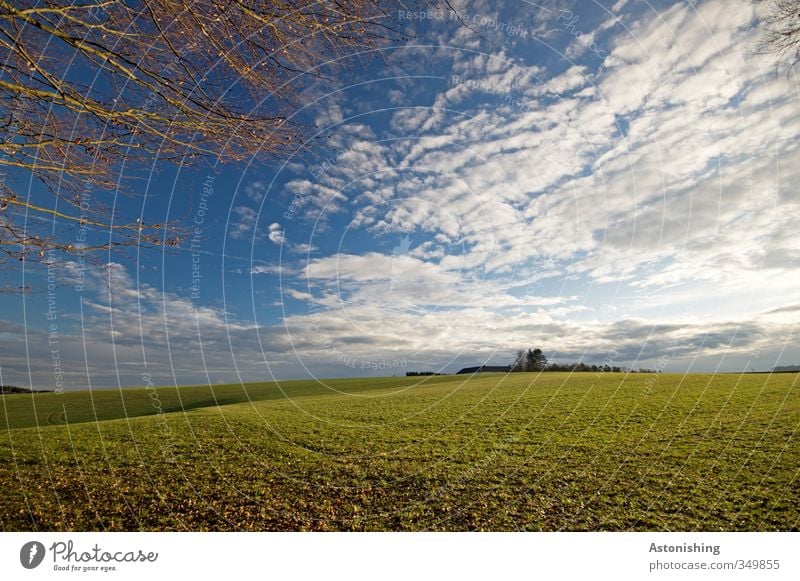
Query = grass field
x=519 y=452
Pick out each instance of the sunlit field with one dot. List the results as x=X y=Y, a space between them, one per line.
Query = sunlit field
x=525 y=451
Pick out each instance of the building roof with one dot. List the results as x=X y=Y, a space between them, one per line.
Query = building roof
x=485 y=369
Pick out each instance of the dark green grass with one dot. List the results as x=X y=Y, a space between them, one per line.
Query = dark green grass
x=523 y=452
x=44 y=409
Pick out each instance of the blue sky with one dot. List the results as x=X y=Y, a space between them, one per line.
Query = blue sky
x=610 y=181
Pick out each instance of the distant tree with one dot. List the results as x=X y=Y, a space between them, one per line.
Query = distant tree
x=519 y=362
x=530 y=360
x=537 y=360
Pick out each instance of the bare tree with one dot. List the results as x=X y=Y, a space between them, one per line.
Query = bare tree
x=519 y=361
x=87 y=87
x=782 y=30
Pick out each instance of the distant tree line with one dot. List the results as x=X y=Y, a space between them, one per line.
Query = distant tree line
x=4 y=389
x=536 y=360
x=417 y=373
x=786 y=369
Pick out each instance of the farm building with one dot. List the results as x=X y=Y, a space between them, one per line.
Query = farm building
x=485 y=369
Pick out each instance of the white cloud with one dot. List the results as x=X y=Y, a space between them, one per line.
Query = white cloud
x=580 y=45
x=256 y=190
x=619 y=5
x=243 y=223
x=304 y=248
x=275 y=234
x=280 y=269
x=298 y=295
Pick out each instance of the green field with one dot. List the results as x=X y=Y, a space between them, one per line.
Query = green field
x=521 y=452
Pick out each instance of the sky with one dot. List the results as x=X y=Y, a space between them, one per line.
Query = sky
x=613 y=182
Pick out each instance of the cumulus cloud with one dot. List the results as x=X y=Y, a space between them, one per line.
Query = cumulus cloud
x=132 y=328
x=275 y=234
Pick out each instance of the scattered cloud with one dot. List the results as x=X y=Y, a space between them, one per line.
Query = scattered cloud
x=275 y=234
x=131 y=328
x=304 y=248
x=256 y=190
x=243 y=222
